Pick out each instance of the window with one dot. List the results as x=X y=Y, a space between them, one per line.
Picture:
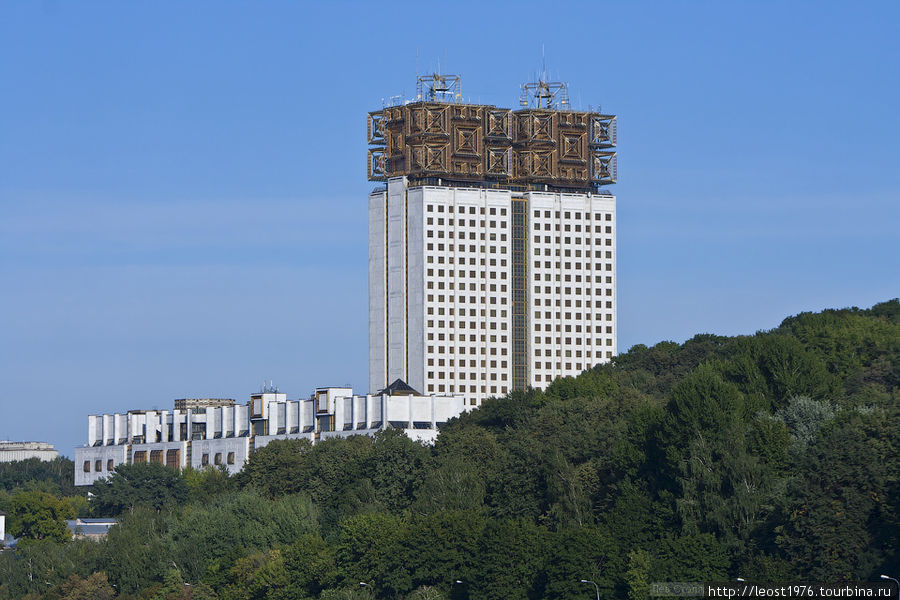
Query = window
x=98 y=465
x=205 y=459
x=231 y=458
x=110 y=465
x=87 y=466
x=218 y=458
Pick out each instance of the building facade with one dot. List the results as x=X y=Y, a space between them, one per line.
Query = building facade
x=227 y=434
x=492 y=249
x=12 y=451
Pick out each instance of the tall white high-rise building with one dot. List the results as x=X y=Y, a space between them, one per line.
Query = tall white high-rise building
x=492 y=251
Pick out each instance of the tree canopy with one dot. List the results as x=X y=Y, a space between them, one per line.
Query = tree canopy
x=772 y=456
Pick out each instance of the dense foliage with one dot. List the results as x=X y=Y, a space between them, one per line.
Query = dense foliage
x=771 y=457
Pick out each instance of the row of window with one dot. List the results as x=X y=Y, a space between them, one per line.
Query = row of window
x=574 y=215
x=463 y=324
x=472 y=299
x=462 y=235
x=578 y=368
x=568 y=342
x=484 y=389
x=578 y=290
x=462 y=223
x=472 y=363
x=568 y=316
x=472 y=338
x=462 y=260
x=567 y=227
x=568 y=265
x=564 y=354
x=217 y=459
x=462 y=349
x=462 y=209
x=568 y=328
x=461 y=375
x=462 y=311
x=547 y=239
x=451 y=285
x=462 y=248
x=568 y=303
x=567 y=252
x=98 y=465
x=597 y=278
x=462 y=274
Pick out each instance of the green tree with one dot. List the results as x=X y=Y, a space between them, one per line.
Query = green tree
x=396 y=467
x=139 y=484
x=372 y=548
x=442 y=546
x=838 y=517
x=207 y=483
x=56 y=477
x=136 y=552
x=276 y=468
x=426 y=592
x=511 y=557
x=453 y=484
x=39 y=516
x=574 y=554
x=696 y=557
x=234 y=522
x=804 y=416
x=312 y=566
x=638 y=575
x=95 y=587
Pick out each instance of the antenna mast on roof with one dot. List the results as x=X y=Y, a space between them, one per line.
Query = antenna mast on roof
x=438 y=88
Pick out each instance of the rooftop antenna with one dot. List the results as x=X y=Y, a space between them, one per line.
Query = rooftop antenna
x=439 y=88
x=543 y=64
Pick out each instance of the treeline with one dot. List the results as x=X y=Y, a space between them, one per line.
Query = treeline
x=771 y=457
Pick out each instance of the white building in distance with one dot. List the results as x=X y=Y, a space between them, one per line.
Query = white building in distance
x=11 y=451
x=222 y=433
x=492 y=250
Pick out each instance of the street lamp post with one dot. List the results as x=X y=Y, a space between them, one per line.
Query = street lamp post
x=596 y=587
x=895 y=581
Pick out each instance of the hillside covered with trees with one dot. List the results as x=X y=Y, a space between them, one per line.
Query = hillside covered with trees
x=772 y=457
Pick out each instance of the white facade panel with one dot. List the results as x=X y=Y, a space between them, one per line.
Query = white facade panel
x=86 y=462
x=415 y=279
x=377 y=289
x=396 y=280
x=210 y=444
x=231 y=453
x=453 y=334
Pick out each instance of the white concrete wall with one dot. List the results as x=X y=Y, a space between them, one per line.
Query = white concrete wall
x=13 y=455
x=261 y=441
x=396 y=281
x=224 y=446
x=90 y=455
x=415 y=289
x=377 y=289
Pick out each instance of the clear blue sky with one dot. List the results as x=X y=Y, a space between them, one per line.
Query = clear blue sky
x=183 y=191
